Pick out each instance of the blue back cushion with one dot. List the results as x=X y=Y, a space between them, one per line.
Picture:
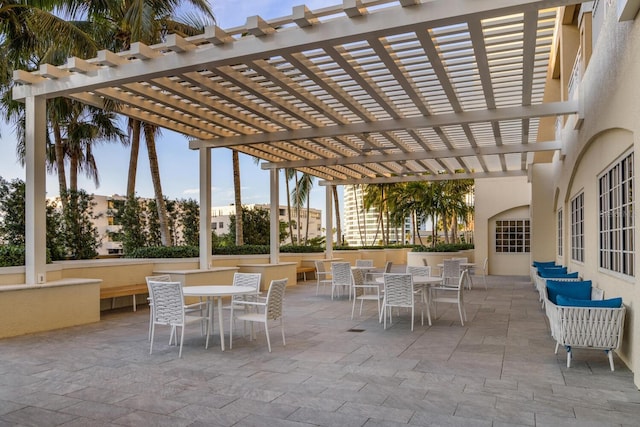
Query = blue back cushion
x=606 y=303
x=550 y=274
x=554 y=269
x=575 y=290
x=544 y=263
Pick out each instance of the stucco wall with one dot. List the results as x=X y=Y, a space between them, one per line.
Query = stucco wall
x=494 y=197
x=610 y=95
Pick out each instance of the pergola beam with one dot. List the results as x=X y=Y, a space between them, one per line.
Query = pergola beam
x=451 y=119
x=438 y=154
x=426 y=177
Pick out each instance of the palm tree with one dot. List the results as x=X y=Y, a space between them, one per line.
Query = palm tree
x=288 y=175
x=301 y=196
x=31 y=34
x=336 y=204
x=128 y=21
x=237 y=189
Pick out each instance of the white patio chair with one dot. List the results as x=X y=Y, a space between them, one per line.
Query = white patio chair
x=364 y=291
x=398 y=292
x=364 y=263
x=158 y=278
x=340 y=278
x=452 y=294
x=269 y=308
x=169 y=310
x=323 y=277
x=485 y=269
x=451 y=271
x=251 y=280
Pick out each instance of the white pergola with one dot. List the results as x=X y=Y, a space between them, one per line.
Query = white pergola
x=362 y=92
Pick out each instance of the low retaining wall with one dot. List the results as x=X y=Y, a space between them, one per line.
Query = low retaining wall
x=53 y=305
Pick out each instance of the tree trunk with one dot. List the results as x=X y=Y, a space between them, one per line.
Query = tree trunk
x=299 y=236
x=157 y=187
x=336 y=205
x=286 y=180
x=73 y=173
x=237 y=197
x=59 y=150
x=306 y=230
x=133 y=158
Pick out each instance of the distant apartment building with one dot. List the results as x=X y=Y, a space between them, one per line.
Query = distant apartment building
x=106 y=224
x=364 y=227
x=220 y=220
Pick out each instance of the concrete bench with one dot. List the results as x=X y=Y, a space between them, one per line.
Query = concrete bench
x=304 y=271
x=123 y=291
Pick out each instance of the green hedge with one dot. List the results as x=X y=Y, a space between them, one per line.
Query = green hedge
x=443 y=247
x=164 y=252
x=242 y=250
x=13 y=256
x=299 y=249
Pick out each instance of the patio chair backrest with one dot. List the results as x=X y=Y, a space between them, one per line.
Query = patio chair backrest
x=398 y=289
x=451 y=271
x=247 y=279
x=418 y=270
x=275 y=299
x=319 y=266
x=168 y=302
x=364 y=263
x=358 y=281
x=387 y=267
x=341 y=273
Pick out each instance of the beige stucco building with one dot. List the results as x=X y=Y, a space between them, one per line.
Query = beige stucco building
x=577 y=207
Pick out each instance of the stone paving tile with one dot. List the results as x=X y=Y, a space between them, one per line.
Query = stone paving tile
x=436 y=419
x=326 y=418
x=97 y=411
x=37 y=417
x=140 y=418
x=383 y=413
x=47 y=400
x=503 y=414
x=544 y=420
x=260 y=421
x=310 y=402
x=7 y=406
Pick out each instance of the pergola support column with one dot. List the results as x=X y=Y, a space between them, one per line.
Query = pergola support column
x=274 y=217
x=205 y=208
x=35 y=196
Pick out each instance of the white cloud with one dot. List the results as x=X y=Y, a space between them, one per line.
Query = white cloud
x=191 y=191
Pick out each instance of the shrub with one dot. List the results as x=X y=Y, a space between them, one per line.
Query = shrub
x=300 y=249
x=164 y=252
x=241 y=250
x=443 y=247
x=13 y=256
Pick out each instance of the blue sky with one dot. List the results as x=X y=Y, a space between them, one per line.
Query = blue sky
x=178 y=164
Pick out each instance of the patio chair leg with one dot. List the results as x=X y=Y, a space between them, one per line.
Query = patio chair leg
x=284 y=342
x=610 y=355
x=266 y=332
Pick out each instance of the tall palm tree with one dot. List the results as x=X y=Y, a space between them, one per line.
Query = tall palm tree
x=128 y=21
x=237 y=197
x=288 y=175
x=336 y=204
x=301 y=196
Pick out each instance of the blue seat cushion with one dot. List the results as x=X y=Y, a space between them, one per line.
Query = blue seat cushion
x=550 y=274
x=605 y=303
x=575 y=290
x=553 y=269
x=544 y=263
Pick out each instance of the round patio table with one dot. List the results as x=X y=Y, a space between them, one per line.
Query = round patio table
x=216 y=292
